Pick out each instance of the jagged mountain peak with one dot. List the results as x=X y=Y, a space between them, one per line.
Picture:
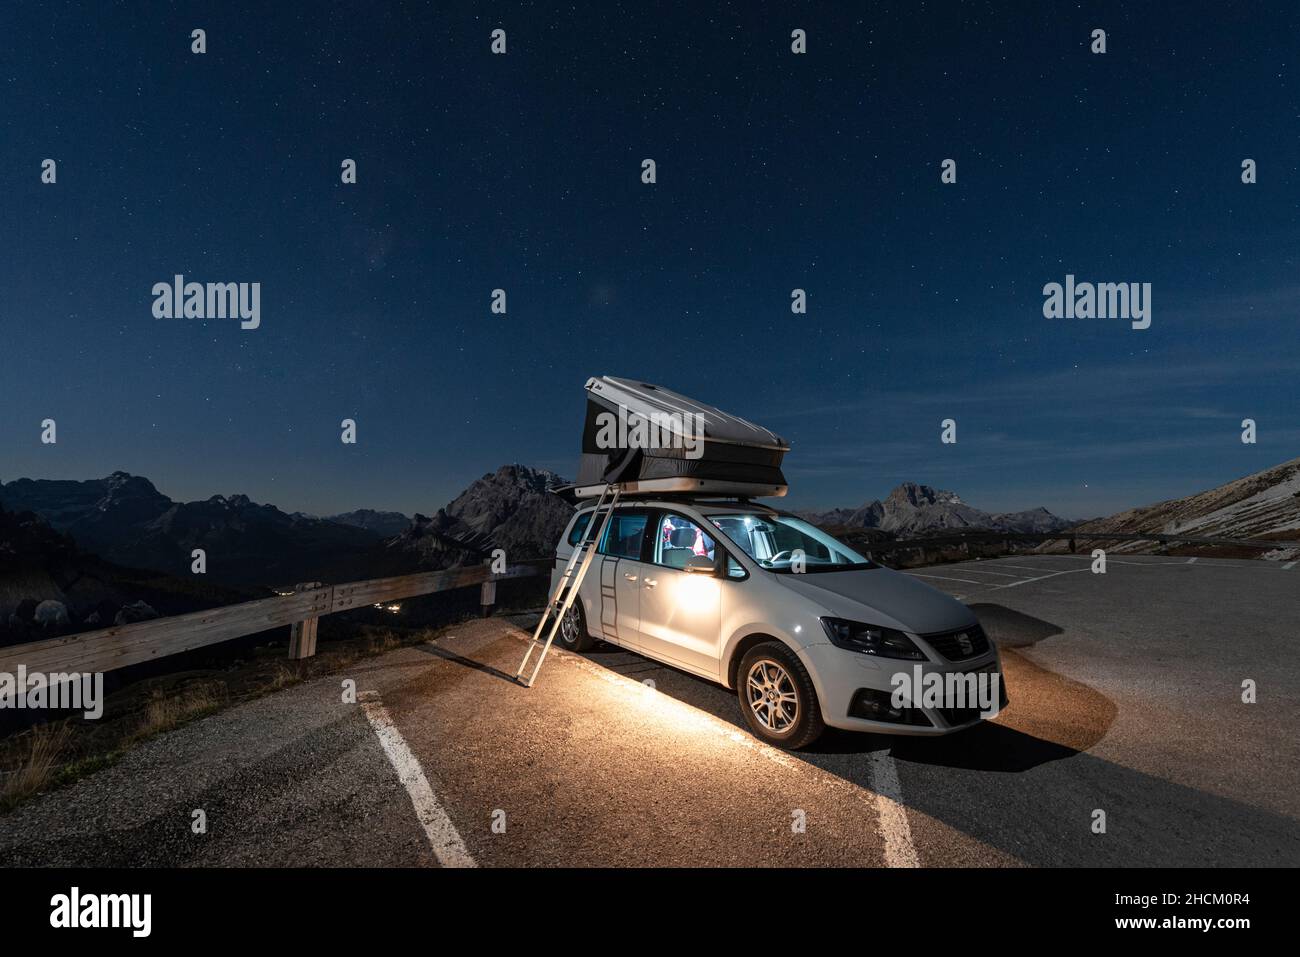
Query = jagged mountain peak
x=917 y=495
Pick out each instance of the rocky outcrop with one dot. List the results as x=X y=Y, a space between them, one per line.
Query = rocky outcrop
x=135 y=611
x=1264 y=505
x=51 y=614
x=513 y=508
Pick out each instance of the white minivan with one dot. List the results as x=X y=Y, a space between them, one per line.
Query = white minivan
x=807 y=632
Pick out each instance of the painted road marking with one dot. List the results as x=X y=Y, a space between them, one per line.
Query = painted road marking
x=1026 y=581
x=945 y=578
x=1036 y=568
x=1290 y=565
x=447 y=846
x=985 y=571
x=1191 y=561
x=899 y=849
x=1153 y=561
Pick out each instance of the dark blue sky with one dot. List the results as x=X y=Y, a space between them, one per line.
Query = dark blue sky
x=775 y=171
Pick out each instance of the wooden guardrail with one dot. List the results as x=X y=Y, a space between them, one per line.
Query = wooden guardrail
x=109 y=648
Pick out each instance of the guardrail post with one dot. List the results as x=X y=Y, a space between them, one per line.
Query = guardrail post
x=487 y=594
x=302 y=634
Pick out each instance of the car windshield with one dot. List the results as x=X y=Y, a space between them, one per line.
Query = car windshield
x=778 y=542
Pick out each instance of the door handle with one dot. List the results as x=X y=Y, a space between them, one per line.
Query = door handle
x=630 y=578
x=650 y=583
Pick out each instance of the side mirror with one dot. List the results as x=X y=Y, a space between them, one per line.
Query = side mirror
x=699 y=565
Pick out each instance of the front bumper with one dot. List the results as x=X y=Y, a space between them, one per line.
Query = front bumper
x=839 y=676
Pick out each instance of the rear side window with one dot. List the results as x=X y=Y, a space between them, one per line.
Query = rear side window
x=625 y=534
x=678 y=539
x=579 y=527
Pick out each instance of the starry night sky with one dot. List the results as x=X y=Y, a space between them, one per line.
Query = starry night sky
x=775 y=171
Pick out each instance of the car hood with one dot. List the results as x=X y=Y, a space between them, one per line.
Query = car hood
x=881 y=596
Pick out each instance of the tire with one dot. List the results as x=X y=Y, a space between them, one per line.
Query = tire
x=573 y=633
x=791 y=723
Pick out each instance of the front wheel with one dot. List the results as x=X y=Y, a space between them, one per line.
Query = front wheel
x=573 y=628
x=777 y=697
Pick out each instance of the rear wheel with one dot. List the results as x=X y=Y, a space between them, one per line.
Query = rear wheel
x=573 y=629
x=777 y=697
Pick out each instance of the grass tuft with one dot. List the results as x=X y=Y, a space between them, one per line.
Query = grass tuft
x=36 y=756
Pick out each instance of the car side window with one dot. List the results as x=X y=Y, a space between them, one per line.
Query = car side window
x=678 y=538
x=579 y=528
x=625 y=534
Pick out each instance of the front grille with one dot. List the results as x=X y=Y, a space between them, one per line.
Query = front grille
x=960 y=645
x=958 y=716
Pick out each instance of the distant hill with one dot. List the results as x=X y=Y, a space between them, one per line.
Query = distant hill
x=1265 y=505
x=912 y=509
x=385 y=524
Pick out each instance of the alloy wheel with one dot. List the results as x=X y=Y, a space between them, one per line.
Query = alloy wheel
x=772 y=697
x=569 y=626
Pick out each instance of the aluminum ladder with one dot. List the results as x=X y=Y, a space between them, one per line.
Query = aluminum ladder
x=566 y=591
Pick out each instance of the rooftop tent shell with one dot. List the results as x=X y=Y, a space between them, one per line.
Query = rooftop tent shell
x=666 y=443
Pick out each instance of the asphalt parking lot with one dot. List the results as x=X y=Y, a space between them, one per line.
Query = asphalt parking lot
x=1125 y=698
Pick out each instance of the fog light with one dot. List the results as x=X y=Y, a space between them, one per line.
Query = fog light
x=876 y=705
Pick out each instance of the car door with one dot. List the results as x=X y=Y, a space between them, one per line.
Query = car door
x=681 y=613
x=612 y=589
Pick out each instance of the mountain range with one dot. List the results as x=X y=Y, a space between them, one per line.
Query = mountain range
x=80 y=554
x=88 y=540
x=126 y=521
x=386 y=524
x=912 y=509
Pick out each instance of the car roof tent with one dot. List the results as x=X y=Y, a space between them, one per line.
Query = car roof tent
x=643 y=439
x=649 y=440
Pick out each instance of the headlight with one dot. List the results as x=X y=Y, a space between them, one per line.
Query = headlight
x=871 y=639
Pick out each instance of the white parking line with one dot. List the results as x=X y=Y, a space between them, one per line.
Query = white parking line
x=1026 y=581
x=986 y=571
x=945 y=578
x=1152 y=561
x=899 y=849
x=1031 y=568
x=447 y=846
